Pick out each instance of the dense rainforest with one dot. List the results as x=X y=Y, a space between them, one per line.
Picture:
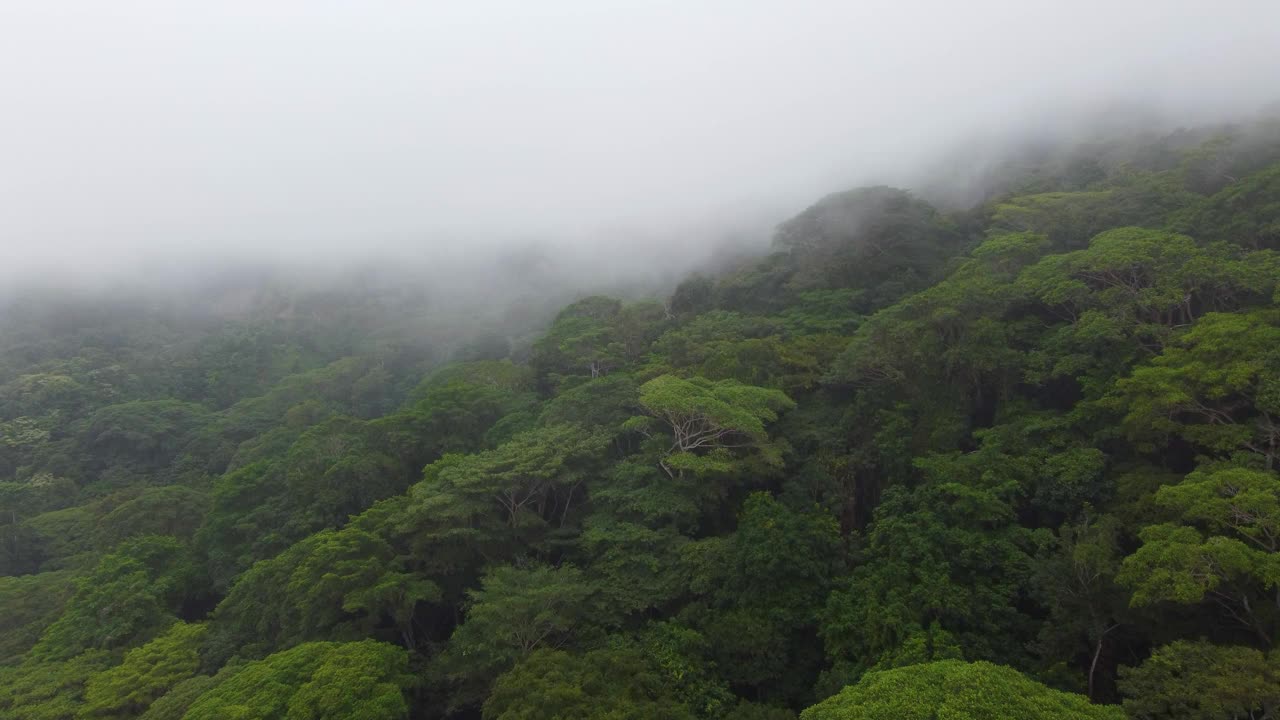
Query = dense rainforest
x=1016 y=460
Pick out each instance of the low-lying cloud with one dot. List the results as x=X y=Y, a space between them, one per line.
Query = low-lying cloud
x=144 y=133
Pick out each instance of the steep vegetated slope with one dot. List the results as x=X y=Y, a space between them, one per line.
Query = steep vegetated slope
x=1020 y=460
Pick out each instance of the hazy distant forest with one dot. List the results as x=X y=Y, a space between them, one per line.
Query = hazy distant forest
x=1018 y=460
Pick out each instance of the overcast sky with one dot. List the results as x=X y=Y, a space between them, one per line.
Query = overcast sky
x=133 y=127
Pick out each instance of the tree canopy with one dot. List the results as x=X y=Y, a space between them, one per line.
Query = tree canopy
x=1019 y=459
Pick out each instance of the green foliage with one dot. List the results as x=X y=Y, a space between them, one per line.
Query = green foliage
x=520 y=491
x=1226 y=550
x=637 y=567
x=515 y=612
x=245 y=520
x=38 y=494
x=1244 y=212
x=603 y=403
x=608 y=683
x=951 y=688
x=787 y=352
x=141 y=436
x=48 y=690
x=1194 y=680
x=171 y=510
x=1067 y=219
x=58 y=539
x=130 y=596
x=878 y=238
x=1075 y=578
x=823 y=311
x=316 y=681
x=1236 y=501
x=1041 y=431
x=334 y=469
x=948 y=555
x=1215 y=386
x=361 y=681
x=338 y=468
x=173 y=704
x=706 y=420
x=31 y=603
x=681 y=656
x=1146 y=278
x=457 y=405
x=594 y=337
x=765 y=588
x=1179 y=564
x=147 y=673
x=334 y=584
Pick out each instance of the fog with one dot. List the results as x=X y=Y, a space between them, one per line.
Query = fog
x=627 y=137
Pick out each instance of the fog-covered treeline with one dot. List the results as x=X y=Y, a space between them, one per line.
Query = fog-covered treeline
x=1011 y=459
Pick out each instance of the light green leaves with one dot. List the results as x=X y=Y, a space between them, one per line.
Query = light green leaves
x=332 y=584
x=1204 y=385
x=1233 y=500
x=1179 y=564
x=955 y=689
x=706 y=419
x=1240 y=508
x=147 y=673
x=315 y=681
x=129 y=597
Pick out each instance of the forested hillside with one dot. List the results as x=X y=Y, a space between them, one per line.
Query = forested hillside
x=1018 y=460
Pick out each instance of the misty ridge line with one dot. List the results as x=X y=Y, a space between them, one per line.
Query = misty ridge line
x=629 y=141
x=483 y=275
x=715 y=361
